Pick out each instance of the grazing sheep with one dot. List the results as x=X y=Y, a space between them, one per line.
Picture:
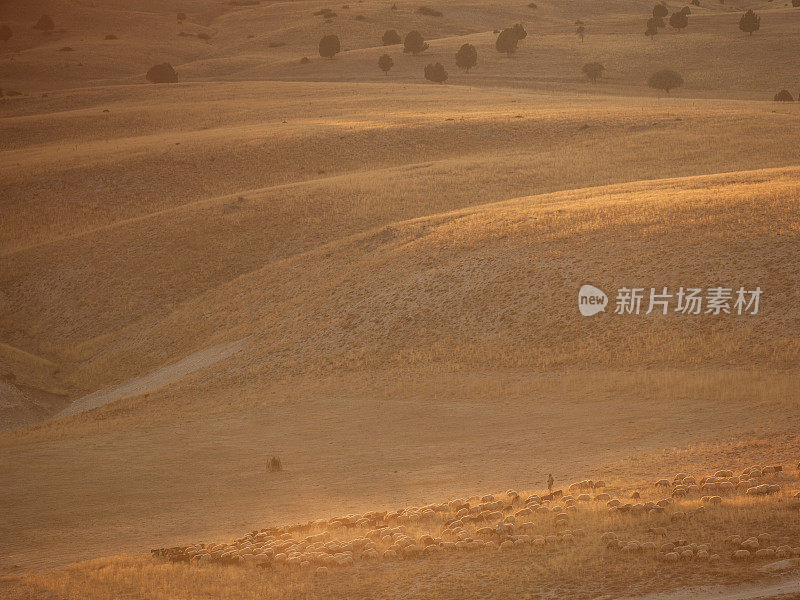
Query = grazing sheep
x=763 y=490
x=677 y=516
x=750 y=544
x=741 y=555
x=455 y=505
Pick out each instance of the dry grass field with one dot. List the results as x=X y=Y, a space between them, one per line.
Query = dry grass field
x=374 y=277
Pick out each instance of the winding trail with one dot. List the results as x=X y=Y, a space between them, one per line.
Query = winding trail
x=155 y=379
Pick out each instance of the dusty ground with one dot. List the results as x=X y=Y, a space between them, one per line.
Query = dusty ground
x=401 y=257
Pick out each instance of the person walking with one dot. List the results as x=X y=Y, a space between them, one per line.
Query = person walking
x=550 y=482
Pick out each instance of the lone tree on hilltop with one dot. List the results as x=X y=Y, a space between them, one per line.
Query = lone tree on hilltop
x=163 y=73
x=385 y=63
x=750 y=22
x=329 y=46
x=391 y=37
x=435 y=72
x=466 y=57
x=414 y=43
x=45 y=24
x=665 y=80
x=593 y=71
x=783 y=96
x=679 y=20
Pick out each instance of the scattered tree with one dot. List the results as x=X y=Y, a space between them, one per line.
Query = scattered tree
x=695 y=2
x=784 y=96
x=385 y=63
x=414 y=43
x=660 y=12
x=679 y=20
x=593 y=70
x=750 y=22
x=5 y=33
x=181 y=18
x=508 y=41
x=305 y=60
x=111 y=36
x=466 y=57
x=45 y=24
x=665 y=80
x=519 y=30
x=163 y=73
x=391 y=37
x=274 y=465
x=652 y=27
x=435 y=72
x=795 y=3
x=580 y=31
x=329 y=46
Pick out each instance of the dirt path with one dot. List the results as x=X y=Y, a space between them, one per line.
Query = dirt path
x=761 y=590
x=155 y=379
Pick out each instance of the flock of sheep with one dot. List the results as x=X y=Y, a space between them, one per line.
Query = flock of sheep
x=503 y=523
x=711 y=490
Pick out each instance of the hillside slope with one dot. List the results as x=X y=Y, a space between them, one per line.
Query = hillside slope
x=370 y=353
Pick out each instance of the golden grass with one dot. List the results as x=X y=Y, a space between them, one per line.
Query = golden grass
x=406 y=257
x=585 y=569
x=188 y=463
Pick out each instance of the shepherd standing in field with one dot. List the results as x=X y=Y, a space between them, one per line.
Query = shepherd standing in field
x=550 y=482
